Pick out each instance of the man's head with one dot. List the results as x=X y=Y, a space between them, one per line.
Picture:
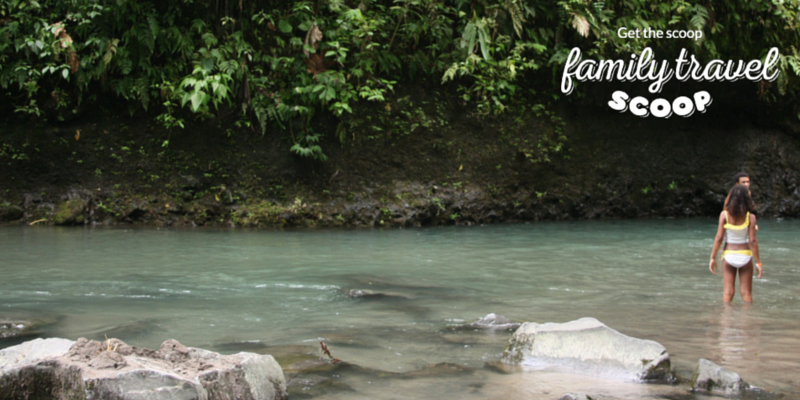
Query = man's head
x=742 y=179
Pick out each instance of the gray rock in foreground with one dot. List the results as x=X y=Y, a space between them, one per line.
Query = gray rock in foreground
x=62 y=369
x=587 y=346
x=32 y=352
x=711 y=377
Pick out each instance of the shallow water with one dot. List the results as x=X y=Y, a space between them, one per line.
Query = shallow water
x=284 y=291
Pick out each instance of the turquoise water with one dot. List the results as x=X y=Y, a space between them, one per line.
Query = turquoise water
x=231 y=290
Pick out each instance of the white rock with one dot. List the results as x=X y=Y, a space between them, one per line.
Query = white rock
x=710 y=376
x=63 y=369
x=587 y=346
x=33 y=351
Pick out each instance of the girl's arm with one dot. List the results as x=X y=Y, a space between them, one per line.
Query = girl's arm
x=754 y=246
x=712 y=265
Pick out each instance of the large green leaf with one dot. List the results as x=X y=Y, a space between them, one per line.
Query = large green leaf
x=285 y=26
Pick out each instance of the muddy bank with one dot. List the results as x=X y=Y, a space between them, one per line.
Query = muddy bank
x=422 y=161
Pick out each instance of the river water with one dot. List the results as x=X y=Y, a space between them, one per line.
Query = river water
x=281 y=292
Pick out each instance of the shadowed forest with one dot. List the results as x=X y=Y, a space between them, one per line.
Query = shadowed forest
x=379 y=113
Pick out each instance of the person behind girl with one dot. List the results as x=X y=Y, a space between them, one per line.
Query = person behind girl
x=737 y=227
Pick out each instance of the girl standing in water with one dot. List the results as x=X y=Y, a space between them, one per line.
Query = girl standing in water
x=737 y=226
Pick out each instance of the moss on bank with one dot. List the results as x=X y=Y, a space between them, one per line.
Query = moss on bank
x=418 y=162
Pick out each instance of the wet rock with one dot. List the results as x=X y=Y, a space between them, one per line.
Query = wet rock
x=11 y=329
x=20 y=328
x=31 y=199
x=367 y=294
x=349 y=340
x=493 y=321
x=500 y=367
x=443 y=369
x=70 y=212
x=576 y=396
x=713 y=378
x=136 y=212
x=191 y=184
x=313 y=386
x=114 y=370
x=9 y=213
x=313 y=377
x=587 y=346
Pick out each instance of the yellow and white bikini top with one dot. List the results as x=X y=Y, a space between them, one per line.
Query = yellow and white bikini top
x=737 y=234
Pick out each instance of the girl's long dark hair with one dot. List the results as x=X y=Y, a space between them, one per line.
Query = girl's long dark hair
x=739 y=202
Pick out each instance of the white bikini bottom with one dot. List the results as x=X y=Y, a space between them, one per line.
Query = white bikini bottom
x=737 y=258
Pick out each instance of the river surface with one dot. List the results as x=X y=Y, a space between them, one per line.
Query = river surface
x=281 y=292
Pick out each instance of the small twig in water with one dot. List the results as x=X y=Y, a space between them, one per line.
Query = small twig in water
x=328 y=353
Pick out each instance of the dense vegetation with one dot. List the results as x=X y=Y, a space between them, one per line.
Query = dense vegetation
x=288 y=64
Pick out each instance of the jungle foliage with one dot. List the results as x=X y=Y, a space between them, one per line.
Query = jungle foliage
x=270 y=63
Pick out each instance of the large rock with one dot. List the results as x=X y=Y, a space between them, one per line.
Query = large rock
x=589 y=347
x=711 y=377
x=30 y=371
x=70 y=212
x=32 y=352
x=63 y=369
x=47 y=379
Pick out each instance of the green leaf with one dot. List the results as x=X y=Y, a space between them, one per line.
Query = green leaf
x=65 y=73
x=483 y=40
x=153 y=24
x=207 y=64
x=284 y=26
x=198 y=100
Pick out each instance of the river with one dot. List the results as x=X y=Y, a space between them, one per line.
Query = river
x=282 y=292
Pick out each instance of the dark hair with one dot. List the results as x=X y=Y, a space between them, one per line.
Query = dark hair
x=739 y=175
x=739 y=202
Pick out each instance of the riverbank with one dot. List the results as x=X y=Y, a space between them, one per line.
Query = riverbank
x=422 y=159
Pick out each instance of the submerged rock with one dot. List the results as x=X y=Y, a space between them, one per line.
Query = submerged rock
x=367 y=294
x=310 y=376
x=493 y=321
x=713 y=378
x=576 y=396
x=63 y=369
x=129 y=330
x=443 y=369
x=18 y=328
x=587 y=346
